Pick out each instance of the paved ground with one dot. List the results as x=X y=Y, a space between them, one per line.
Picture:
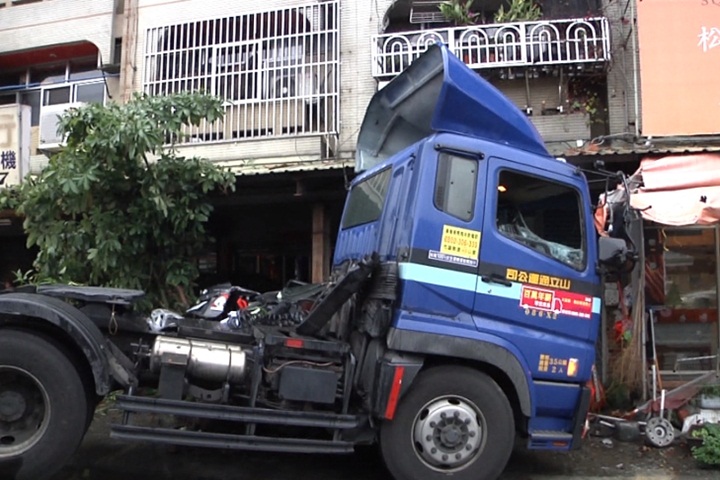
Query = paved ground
x=101 y=458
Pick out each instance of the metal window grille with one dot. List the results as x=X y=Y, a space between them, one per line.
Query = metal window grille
x=277 y=71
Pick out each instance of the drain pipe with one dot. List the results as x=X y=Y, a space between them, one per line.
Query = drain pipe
x=635 y=68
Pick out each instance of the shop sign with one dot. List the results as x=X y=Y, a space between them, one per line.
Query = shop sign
x=679 y=48
x=14 y=143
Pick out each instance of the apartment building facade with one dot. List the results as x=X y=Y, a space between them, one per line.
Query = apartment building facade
x=295 y=77
x=52 y=55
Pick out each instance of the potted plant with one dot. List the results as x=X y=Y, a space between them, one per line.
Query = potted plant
x=458 y=12
x=523 y=11
x=586 y=96
x=518 y=11
x=708 y=452
x=710 y=397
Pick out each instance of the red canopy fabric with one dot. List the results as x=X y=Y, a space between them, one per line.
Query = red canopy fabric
x=679 y=190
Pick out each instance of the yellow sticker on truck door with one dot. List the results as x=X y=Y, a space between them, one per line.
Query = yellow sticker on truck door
x=460 y=242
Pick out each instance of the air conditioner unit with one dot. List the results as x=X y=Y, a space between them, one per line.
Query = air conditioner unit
x=281 y=83
x=290 y=83
x=426 y=11
x=50 y=140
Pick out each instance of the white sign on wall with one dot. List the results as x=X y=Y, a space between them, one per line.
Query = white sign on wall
x=14 y=143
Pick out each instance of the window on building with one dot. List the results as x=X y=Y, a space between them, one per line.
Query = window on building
x=76 y=92
x=90 y=92
x=32 y=98
x=543 y=216
x=366 y=200
x=455 y=186
x=117 y=51
x=10 y=79
x=56 y=96
x=48 y=74
x=83 y=67
x=77 y=80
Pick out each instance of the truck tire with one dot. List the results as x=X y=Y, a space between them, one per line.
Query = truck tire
x=43 y=406
x=454 y=422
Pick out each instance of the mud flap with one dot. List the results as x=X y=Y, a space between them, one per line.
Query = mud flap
x=580 y=416
x=394 y=377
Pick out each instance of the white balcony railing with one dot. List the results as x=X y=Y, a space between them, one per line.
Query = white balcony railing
x=519 y=44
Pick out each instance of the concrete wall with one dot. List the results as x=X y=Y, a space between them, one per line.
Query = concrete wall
x=559 y=130
x=359 y=21
x=52 y=22
x=621 y=77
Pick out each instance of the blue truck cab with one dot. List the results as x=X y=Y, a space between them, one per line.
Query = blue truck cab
x=497 y=266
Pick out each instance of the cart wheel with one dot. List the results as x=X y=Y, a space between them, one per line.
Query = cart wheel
x=659 y=432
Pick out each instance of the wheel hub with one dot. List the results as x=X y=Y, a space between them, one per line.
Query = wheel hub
x=12 y=405
x=24 y=411
x=659 y=432
x=448 y=433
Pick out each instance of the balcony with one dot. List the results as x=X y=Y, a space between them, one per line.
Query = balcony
x=583 y=41
x=29 y=25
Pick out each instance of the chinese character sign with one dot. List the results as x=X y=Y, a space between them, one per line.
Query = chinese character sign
x=709 y=38
x=8 y=160
x=679 y=44
x=9 y=145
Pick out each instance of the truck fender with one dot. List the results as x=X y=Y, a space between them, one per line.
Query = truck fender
x=469 y=349
x=18 y=308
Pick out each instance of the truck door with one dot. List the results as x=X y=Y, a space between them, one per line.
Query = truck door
x=537 y=287
x=441 y=275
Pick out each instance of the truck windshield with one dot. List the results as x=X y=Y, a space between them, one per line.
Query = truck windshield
x=366 y=200
x=542 y=215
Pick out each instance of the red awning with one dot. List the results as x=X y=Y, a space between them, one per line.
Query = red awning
x=38 y=56
x=679 y=190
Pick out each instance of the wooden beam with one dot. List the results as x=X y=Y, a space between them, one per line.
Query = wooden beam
x=320 y=244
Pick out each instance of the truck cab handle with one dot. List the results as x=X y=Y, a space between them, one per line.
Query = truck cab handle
x=496 y=278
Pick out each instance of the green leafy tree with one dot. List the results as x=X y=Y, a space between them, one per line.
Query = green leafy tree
x=117 y=206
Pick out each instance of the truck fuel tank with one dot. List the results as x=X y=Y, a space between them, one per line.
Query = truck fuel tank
x=210 y=361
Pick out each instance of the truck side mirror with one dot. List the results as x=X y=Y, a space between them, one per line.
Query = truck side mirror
x=612 y=252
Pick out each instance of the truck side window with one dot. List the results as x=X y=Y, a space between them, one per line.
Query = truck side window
x=541 y=215
x=455 y=185
x=366 y=200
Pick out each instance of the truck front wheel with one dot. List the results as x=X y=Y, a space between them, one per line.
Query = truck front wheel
x=453 y=422
x=43 y=406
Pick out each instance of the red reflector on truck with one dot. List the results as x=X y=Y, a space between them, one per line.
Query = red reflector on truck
x=294 y=343
x=394 y=393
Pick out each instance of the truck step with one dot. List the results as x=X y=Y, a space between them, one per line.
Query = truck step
x=230 y=413
x=550 y=440
x=229 y=441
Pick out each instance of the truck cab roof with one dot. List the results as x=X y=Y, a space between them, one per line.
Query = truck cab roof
x=439 y=93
